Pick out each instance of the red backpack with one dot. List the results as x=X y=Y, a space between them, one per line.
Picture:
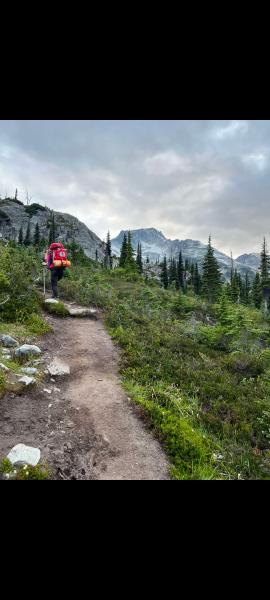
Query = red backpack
x=59 y=255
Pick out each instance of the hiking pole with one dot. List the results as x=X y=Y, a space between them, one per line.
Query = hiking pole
x=44 y=281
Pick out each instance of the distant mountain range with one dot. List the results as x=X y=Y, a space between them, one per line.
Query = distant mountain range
x=155 y=246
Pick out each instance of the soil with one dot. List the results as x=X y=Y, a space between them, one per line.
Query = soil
x=87 y=428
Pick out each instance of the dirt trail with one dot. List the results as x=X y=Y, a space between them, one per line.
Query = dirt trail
x=87 y=428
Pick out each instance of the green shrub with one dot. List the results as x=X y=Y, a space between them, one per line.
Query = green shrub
x=58 y=310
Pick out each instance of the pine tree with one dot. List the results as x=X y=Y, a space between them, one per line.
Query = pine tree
x=96 y=256
x=265 y=278
x=20 y=240
x=257 y=291
x=164 y=274
x=192 y=273
x=27 y=239
x=130 y=260
x=37 y=237
x=139 y=261
x=212 y=278
x=197 y=281
x=247 y=288
x=172 y=272
x=180 y=272
x=108 y=253
x=147 y=260
x=123 y=255
x=235 y=289
x=16 y=194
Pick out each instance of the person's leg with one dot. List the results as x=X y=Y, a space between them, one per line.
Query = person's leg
x=60 y=274
x=54 y=279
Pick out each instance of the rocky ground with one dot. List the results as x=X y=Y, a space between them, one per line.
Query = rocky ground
x=82 y=421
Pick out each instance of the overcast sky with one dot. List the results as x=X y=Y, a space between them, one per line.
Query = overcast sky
x=186 y=178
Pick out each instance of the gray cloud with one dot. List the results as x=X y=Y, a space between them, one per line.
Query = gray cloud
x=187 y=178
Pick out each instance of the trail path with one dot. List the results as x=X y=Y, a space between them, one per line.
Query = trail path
x=87 y=428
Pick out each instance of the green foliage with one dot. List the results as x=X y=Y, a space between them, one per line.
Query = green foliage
x=211 y=280
x=27 y=473
x=27 y=239
x=3 y=215
x=58 y=310
x=20 y=269
x=33 y=209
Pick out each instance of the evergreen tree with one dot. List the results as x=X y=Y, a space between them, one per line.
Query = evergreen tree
x=147 y=260
x=164 y=274
x=212 y=278
x=27 y=239
x=123 y=255
x=139 y=260
x=192 y=273
x=16 y=194
x=108 y=263
x=265 y=278
x=96 y=254
x=235 y=290
x=20 y=240
x=257 y=291
x=180 y=272
x=247 y=288
x=37 y=237
x=197 y=283
x=130 y=260
x=173 y=272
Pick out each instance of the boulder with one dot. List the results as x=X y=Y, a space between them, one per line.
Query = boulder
x=51 y=301
x=8 y=341
x=57 y=367
x=27 y=350
x=24 y=455
x=27 y=380
x=82 y=312
x=29 y=371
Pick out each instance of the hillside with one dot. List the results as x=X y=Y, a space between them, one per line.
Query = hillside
x=155 y=246
x=14 y=215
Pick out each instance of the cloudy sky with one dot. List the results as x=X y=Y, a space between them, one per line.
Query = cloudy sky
x=186 y=178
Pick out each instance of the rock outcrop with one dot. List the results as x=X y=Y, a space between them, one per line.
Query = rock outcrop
x=14 y=215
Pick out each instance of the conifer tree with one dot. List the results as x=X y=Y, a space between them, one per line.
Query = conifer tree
x=96 y=255
x=20 y=240
x=130 y=260
x=139 y=261
x=123 y=255
x=180 y=271
x=172 y=272
x=235 y=290
x=247 y=288
x=37 y=237
x=257 y=291
x=265 y=278
x=108 y=263
x=164 y=274
x=147 y=260
x=197 y=283
x=212 y=278
x=27 y=239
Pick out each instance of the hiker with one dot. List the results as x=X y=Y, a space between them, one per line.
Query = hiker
x=57 y=262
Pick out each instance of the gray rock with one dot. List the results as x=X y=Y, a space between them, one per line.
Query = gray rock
x=27 y=350
x=82 y=312
x=8 y=341
x=68 y=227
x=25 y=455
x=3 y=367
x=29 y=371
x=27 y=380
x=51 y=301
x=58 y=368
